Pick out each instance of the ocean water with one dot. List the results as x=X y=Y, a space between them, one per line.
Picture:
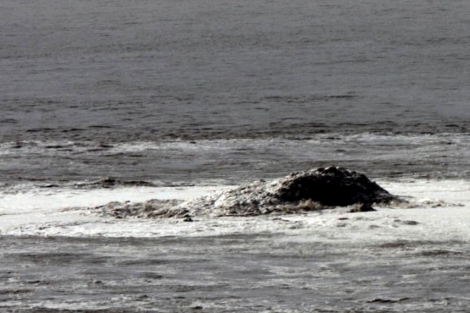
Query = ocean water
x=177 y=98
x=78 y=77
x=182 y=91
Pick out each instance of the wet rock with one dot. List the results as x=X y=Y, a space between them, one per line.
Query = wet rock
x=298 y=192
x=147 y=209
x=17 y=145
x=364 y=207
x=311 y=190
x=188 y=219
x=412 y=223
x=380 y=300
x=110 y=182
x=333 y=186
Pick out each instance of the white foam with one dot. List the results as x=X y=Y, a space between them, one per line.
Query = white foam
x=37 y=209
x=63 y=213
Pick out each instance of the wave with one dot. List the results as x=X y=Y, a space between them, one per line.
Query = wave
x=233 y=161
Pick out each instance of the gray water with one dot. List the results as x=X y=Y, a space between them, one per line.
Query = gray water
x=95 y=74
x=237 y=273
x=152 y=70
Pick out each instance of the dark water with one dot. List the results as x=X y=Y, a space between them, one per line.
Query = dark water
x=95 y=74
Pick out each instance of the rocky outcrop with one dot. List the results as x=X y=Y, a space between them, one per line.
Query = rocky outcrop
x=298 y=192
x=301 y=191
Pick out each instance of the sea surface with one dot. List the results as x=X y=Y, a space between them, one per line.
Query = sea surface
x=195 y=90
x=210 y=94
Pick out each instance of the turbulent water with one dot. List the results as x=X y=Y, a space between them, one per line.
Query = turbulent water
x=177 y=93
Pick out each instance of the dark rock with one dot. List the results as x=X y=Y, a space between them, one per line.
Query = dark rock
x=311 y=190
x=380 y=300
x=362 y=208
x=110 y=182
x=17 y=145
x=105 y=145
x=333 y=186
x=412 y=223
x=302 y=191
x=188 y=219
x=49 y=186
